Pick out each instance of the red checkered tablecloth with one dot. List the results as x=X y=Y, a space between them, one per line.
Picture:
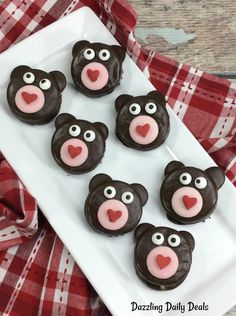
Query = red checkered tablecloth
x=38 y=276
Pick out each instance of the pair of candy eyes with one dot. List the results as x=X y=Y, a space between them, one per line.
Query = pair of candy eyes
x=173 y=240
x=89 y=54
x=135 y=108
x=186 y=178
x=126 y=197
x=75 y=131
x=44 y=84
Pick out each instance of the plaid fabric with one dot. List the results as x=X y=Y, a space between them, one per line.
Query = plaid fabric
x=40 y=277
x=18 y=209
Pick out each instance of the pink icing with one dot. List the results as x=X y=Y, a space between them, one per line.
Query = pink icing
x=152 y=264
x=141 y=122
x=178 y=203
x=79 y=159
x=37 y=96
x=102 y=77
x=114 y=205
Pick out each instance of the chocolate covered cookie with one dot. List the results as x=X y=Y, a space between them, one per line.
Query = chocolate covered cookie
x=114 y=207
x=142 y=122
x=96 y=68
x=34 y=96
x=162 y=256
x=78 y=145
x=188 y=194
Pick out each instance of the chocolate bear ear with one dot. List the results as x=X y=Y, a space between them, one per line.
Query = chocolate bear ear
x=78 y=46
x=158 y=96
x=120 y=51
x=102 y=128
x=59 y=78
x=19 y=70
x=122 y=100
x=217 y=175
x=141 y=229
x=189 y=238
x=62 y=119
x=142 y=192
x=98 y=179
x=172 y=166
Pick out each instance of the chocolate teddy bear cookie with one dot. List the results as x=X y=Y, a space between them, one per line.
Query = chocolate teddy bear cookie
x=78 y=145
x=114 y=207
x=188 y=194
x=162 y=256
x=34 y=96
x=142 y=122
x=96 y=68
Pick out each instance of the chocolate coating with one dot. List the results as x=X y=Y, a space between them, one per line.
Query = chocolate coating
x=78 y=145
x=34 y=96
x=104 y=62
x=127 y=199
x=142 y=122
x=188 y=194
x=144 y=235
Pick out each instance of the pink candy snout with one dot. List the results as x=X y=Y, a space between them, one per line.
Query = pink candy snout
x=187 y=202
x=112 y=214
x=29 y=99
x=94 y=76
x=162 y=262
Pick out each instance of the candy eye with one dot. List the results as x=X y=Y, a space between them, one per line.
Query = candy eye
x=150 y=108
x=127 y=197
x=28 y=77
x=45 y=84
x=89 y=54
x=104 y=54
x=185 y=178
x=74 y=130
x=200 y=183
x=174 y=240
x=157 y=239
x=89 y=136
x=109 y=192
x=134 y=109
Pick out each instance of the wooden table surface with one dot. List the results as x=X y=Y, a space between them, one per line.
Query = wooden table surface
x=197 y=32
x=200 y=33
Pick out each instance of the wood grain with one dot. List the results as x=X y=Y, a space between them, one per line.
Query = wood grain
x=208 y=31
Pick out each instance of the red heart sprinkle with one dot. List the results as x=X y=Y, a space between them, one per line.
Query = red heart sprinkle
x=29 y=97
x=143 y=129
x=93 y=74
x=189 y=202
x=163 y=261
x=113 y=215
x=74 y=151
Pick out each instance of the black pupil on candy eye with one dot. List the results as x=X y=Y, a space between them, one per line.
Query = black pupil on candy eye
x=74 y=129
x=133 y=108
x=104 y=54
x=88 y=135
x=89 y=52
x=109 y=191
x=198 y=181
x=128 y=197
x=43 y=81
x=184 y=178
x=151 y=106
x=173 y=240
x=158 y=237
x=28 y=75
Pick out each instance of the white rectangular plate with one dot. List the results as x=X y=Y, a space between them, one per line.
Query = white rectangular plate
x=108 y=262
